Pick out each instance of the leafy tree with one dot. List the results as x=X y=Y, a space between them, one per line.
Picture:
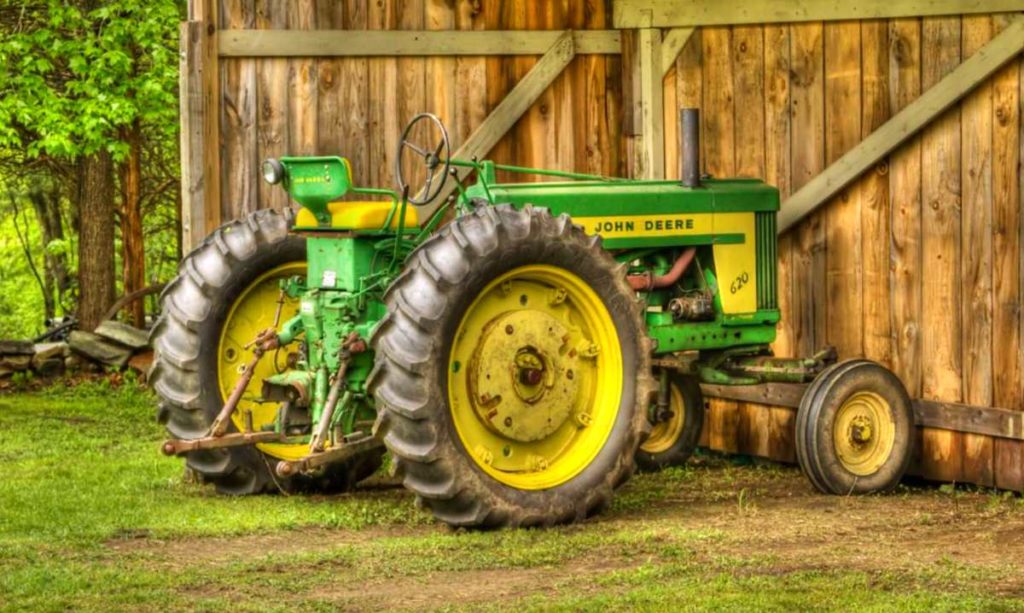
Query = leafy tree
x=87 y=88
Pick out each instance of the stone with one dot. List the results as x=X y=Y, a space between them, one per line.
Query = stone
x=49 y=368
x=16 y=348
x=127 y=335
x=10 y=364
x=48 y=351
x=99 y=349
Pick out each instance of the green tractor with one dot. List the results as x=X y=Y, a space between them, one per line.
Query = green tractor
x=518 y=349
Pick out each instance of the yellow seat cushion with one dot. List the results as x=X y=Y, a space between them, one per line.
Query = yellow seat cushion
x=369 y=215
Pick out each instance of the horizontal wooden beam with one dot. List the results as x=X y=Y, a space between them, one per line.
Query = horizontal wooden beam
x=990 y=421
x=675 y=14
x=382 y=43
x=903 y=125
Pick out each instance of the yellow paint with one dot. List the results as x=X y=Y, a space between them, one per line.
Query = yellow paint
x=252 y=312
x=582 y=339
x=646 y=226
x=736 y=265
x=664 y=434
x=367 y=215
x=864 y=433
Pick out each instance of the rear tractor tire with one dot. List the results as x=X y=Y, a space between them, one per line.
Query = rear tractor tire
x=674 y=439
x=226 y=291
x=854 y=429
x=512 y=374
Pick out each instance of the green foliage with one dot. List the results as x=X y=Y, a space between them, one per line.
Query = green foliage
x=76 y=76
x=70 y=77
x=21 y=301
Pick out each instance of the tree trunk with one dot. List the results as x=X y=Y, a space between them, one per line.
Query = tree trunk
x=96 y=238
x=46 y=203
x=133 y=254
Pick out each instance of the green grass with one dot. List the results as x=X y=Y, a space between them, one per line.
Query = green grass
x=92 y=517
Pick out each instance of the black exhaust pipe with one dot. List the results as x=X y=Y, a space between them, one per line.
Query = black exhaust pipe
x=689 y=147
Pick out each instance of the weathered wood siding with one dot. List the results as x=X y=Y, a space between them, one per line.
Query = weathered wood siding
x=918 y=264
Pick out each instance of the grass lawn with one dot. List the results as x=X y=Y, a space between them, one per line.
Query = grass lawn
x=92 y=517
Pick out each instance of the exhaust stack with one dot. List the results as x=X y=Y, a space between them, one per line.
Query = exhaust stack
x=689 y=147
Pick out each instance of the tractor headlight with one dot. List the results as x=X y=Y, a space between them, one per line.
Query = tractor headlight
x=273 y=171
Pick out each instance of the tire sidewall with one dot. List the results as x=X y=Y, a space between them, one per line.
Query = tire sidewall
x=575 y=258
x=871 y=377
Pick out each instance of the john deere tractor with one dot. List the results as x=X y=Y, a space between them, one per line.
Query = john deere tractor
x=518 y=348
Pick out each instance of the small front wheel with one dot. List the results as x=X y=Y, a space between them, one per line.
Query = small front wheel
x=674 y=436
x=854 y=429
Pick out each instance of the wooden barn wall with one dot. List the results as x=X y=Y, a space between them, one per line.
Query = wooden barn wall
x=917 y=265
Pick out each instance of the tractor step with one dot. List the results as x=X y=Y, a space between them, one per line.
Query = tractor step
x=348 y=449
x=179 y=447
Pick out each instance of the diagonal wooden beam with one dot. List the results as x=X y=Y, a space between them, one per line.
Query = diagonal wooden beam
x=674 y=14
x=904 y=124
x=671 y=45
x=510 y=109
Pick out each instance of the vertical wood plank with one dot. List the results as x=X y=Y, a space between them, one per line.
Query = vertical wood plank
x=749 y=154
x=193 y=111
x=1007 y=250
x=749 y=119
x=976 y=262
x=354 y=98
x=718 y=116
x=411 y=93
x=381 y=97
x=777 y=114
x=330 y=83
x=504 y=72
x=272 y=105
x=596 y=150
x=440 y=76
x=720 y=161
x=905 y=196
x=808 y=159
x=842 y=216
x=940 y=246
x=670 y=121
x=302 y=86
x=470 y=77
x=239 y=166
x=874 y=197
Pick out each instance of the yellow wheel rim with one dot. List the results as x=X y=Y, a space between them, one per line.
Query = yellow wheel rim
x=535 y=377
x=664 y=434
x=864 y=433
x=252 y=312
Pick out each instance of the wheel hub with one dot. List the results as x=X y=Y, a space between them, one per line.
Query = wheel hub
x=522 y=377
x=864 y=433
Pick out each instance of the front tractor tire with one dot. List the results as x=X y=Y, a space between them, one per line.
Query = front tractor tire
x=512 y=374
x=855 y=429
x=226 y=291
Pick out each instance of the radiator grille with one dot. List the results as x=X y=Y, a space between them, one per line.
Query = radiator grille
x=767 y=290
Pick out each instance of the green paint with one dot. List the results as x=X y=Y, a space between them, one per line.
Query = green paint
x=349 y=272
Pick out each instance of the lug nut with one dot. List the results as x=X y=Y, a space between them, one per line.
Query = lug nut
x=509 y=329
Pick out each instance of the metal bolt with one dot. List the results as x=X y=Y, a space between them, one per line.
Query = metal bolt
x=531 y=376
x=509 y=329
x=508 y=422
x=569 y=374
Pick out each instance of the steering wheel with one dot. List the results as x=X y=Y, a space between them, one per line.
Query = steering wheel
x=438 y=156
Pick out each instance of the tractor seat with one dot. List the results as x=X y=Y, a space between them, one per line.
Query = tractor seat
x=366 y=215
